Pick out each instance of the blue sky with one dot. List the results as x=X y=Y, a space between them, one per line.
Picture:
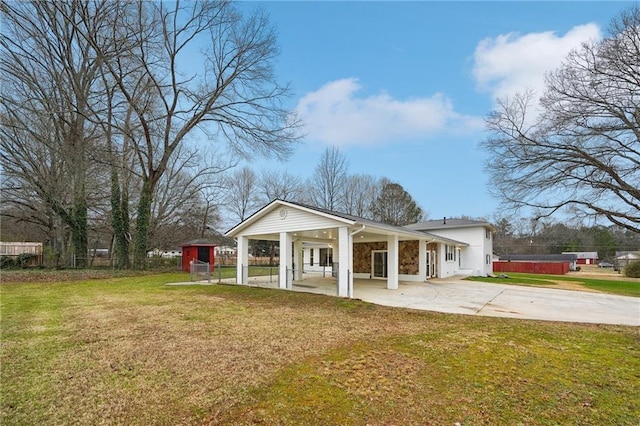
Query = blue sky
x=403 y=87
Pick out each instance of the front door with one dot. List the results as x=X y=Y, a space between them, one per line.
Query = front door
x=379 y=264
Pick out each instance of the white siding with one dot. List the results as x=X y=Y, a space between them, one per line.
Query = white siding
x=473 y=256
x=446 y=268
x=295 y=220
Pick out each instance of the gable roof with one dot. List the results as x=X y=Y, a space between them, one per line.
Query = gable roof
x=583 y=254
x=344 y=218
x=278 y=203
x=622 y=255
x=199 y=242
x=447 y=223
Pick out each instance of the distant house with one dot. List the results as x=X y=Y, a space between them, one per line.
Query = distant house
x=584 y=257
x=623 y=258
x=166 y=253
x=224 y=251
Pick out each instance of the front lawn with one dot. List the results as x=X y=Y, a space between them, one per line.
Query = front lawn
x=624 y=287
x=135 y=351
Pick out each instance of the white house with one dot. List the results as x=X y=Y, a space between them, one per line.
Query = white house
x=361 y=248
x=476 y=258
x=221 y=251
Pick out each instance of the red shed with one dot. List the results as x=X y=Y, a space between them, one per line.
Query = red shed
x=201 y=250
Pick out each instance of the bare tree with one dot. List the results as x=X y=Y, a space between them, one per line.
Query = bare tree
x=279 y=185
x=191 y=175
x=582 y=155
x=360 y=192
x=328 y=181
x=231 y=95
x=242 y=196
x=395 y=206
x=49 y=74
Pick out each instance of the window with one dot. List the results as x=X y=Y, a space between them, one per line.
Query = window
x=488 y=233
x=326 y=257
x=449 y=252
x=488 y=259
x=310 y=257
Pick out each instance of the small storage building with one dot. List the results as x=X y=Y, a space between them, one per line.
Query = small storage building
x=198 y=250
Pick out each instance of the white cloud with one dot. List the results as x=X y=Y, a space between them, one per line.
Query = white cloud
x=513 y=63
x=335 y=115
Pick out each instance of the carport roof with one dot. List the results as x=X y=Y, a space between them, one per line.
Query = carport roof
x=347 y=219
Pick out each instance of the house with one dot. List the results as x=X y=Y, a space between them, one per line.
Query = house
x=584 y=257
x=166 y=253
x=477 y=257
x=355 y=247
x=224 y=251
x=623 y=258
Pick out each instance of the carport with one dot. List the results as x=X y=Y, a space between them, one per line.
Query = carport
x=292 y=224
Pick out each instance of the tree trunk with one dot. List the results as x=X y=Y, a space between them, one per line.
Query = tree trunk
x=78 y=222
x=142 y=226
x=119 y=219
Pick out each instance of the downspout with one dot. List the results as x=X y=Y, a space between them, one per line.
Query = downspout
x=350 y=282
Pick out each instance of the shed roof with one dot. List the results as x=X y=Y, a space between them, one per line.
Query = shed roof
x=199 y=242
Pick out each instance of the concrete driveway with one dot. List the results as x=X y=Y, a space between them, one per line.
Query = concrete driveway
x=497 y=300
x=453 y=295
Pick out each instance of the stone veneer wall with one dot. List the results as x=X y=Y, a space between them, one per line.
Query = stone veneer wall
x=362 y=256
x=408 y=256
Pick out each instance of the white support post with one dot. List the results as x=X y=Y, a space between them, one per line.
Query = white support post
x=422 y=260
x=392 y=262
x=298 y=261
x=242 y=259
x=350 y=284
x=344 y=253
x=285 y=260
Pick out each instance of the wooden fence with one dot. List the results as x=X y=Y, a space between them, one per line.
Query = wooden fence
x=552 y=268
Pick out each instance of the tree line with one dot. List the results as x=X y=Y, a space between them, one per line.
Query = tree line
x=330 y=187
x=106 y=107
x=535 y=236
x=123 y=123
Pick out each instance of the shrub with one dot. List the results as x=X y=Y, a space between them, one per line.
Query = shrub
x=6 y=262
x=632 y=270
x=24 y=259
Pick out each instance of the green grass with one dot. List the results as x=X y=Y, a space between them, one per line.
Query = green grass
x=254 y=271
x=621 y=287
x=131 y=350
